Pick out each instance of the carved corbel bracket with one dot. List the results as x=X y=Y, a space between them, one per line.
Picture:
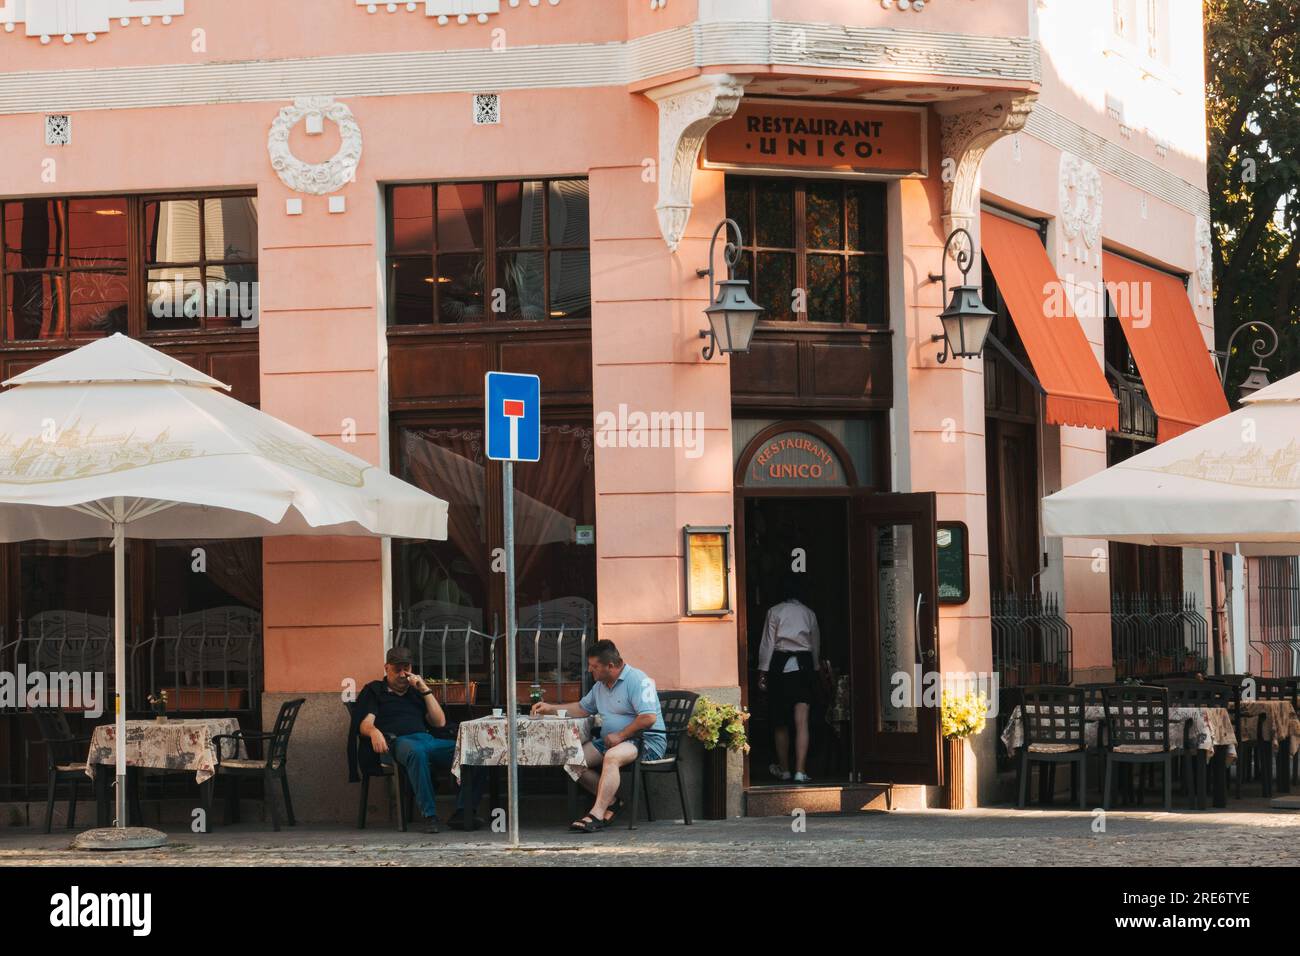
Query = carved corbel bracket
x=968 y=128
x=687 y=111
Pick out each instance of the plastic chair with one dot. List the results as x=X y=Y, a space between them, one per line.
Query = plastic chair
x=677 y=707
x=388 y=767
x=271 y=766
x=65 y=760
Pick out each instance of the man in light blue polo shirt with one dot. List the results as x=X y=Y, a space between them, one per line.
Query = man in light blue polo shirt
x=631 y=723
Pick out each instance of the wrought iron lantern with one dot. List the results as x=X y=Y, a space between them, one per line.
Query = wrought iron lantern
x=966 y=320
x=732 y=314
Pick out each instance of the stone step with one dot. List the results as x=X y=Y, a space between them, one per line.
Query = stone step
x=784 y=799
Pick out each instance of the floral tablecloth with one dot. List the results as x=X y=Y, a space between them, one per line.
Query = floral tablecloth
x=543 y=742
x=174 y=745
x=1281 y=722
x=1211 y=727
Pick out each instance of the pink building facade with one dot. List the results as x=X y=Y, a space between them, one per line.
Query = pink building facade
x=418 y=193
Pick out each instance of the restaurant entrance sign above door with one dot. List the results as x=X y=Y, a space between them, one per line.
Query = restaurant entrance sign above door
x=836 y=139
x=795 y=459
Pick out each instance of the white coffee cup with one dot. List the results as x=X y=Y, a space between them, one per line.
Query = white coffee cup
x=497 y=712
x=561 y=714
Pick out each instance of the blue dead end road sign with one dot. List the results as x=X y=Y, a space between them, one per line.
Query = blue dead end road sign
x=513 y=413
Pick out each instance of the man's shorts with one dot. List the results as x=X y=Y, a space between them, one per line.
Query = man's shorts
x=652 y=749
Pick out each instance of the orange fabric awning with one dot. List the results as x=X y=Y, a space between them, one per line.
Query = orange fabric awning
x=1066 y=366
x=1167 y=345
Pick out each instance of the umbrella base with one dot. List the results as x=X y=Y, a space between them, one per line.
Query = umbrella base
x=120 y=838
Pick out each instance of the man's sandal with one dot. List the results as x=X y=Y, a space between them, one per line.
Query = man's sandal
x=588 y=824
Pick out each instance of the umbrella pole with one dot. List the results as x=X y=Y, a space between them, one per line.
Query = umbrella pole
x=1239 y=612
x=119 y=657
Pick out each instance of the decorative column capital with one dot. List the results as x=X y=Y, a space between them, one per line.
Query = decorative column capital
x=687 y=111
x=967 y=129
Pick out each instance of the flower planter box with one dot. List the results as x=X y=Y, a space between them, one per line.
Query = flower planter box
x=550 y=691
x=456 y=692
x=206 y=698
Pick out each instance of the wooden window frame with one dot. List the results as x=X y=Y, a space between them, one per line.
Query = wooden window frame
x=136 y=267
x=490 y=251
x=801 y=249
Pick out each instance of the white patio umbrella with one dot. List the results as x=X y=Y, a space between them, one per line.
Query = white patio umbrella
x=1232 y=484
x=118 y=440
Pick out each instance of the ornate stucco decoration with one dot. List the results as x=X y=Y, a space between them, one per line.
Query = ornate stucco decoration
x=967 y=130
x=1204 y=260
x=88 y=18
x=462 y=11
x=687 y=111
x=315 y=178
x=1080 y=202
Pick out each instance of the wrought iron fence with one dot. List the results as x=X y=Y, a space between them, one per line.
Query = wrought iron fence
x=1032 y=642
x=1273 y=616
x=1158 y=635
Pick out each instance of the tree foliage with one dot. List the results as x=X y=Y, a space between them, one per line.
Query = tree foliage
x=1253 y=117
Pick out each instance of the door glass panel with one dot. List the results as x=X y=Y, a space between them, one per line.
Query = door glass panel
x=896 y=616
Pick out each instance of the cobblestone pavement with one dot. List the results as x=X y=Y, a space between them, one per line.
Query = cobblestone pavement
x=983 y=837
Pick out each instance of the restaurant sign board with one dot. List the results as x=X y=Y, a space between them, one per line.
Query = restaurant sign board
x=795 y=459
x=835 y=138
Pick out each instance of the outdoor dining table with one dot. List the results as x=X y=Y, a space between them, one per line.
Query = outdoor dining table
x=549 y=741
x=1211 y=732
x=177 y=745
x=1281 y=727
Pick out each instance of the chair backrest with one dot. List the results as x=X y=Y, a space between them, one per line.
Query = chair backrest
x=677 y=707
x=1136 y=714
x=1053 y=715
x=1196 y=693
x=278 y=748
x=1092 y=693
x=60 y=743
x=1277 y=688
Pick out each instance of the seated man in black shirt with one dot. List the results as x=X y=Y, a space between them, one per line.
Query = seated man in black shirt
x=402 y=706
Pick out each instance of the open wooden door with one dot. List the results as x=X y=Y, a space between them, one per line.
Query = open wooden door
x=896 y=638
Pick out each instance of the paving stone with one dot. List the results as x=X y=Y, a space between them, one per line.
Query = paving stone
x=1258 y=836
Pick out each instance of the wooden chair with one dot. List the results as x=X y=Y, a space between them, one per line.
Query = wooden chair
x=1054 y=728
x=272 y=765
x=677 y=707
x=1137 y=728
x=65 y=760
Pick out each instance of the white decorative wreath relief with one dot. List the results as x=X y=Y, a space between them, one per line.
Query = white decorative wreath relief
x=315 y=178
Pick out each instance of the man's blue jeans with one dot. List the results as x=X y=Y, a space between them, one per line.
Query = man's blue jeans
x=419 y=753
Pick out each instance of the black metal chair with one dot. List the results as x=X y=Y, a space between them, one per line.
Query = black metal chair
x=1273 y=688
x=1137 y=728
x=1200 y=693
x=273 y=763
x=677 y=707
x=388 y=767
x=1054 y=729
x=65 y=760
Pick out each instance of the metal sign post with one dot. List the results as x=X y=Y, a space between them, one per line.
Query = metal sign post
x=513 y=412
x=512 y=651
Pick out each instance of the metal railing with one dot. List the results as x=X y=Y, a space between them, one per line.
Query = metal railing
x=207 y=661
x=1273 y=616
x=466 y=661
x=1158 y=635
x=1032 y=642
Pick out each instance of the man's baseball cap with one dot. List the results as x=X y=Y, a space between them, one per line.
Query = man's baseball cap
x=397 y=655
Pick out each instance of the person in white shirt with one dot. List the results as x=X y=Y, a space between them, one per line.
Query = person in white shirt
x=791 y=650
